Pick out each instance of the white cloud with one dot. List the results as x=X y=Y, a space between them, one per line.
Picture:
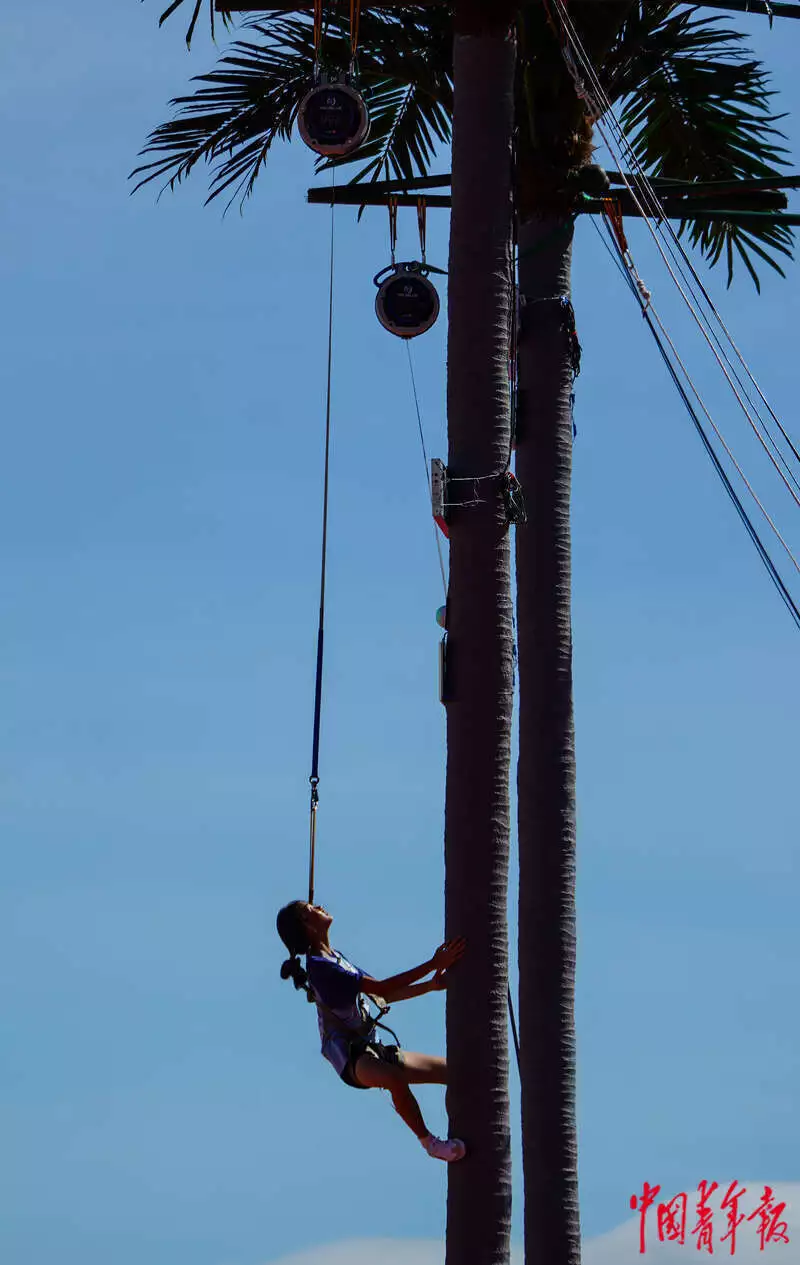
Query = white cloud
x=376 y=1252
x=618 y=1247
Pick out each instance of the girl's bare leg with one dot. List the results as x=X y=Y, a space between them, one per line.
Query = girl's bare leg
x=424 y=1069
x=374 y=1074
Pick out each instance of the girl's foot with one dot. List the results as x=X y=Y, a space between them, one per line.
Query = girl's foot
x=444 y=1149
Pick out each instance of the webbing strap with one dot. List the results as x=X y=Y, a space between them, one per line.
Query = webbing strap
x=392 y=205
x=317 y=33
x=355 y=18
x=314 y=778
x=422 y=222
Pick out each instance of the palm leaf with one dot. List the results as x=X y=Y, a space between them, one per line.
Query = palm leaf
x=251 y=99
x=197 y=10
x=696 y=107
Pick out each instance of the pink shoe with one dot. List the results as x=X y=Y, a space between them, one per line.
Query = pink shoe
x=444 y=1149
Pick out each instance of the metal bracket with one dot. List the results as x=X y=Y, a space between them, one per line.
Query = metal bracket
x=439 y=494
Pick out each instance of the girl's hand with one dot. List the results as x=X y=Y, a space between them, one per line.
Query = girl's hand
x=449 y=953
x=439 y=981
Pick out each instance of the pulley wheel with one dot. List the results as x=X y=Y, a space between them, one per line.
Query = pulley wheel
x=333 y=119
x=407 y=303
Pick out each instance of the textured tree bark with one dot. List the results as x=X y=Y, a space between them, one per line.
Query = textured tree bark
x=546 y=769
x=480 y=646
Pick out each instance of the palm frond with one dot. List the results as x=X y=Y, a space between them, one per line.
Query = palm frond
x=251 y=99
x=193 y=20
x=248 y=102
x=696 y=107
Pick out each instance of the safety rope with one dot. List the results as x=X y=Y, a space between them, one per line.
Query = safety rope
x=314 y=778
x=426 y=462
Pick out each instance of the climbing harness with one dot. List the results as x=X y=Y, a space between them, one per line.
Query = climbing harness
x=407 y=302
x=369 y=1022
x=361 y=1038
x=332 y=117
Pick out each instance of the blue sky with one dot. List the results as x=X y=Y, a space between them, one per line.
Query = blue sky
x=161 y=1092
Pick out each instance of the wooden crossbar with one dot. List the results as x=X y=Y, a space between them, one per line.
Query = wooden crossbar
x=364 y=195
x=292 y=6
x=675 y=208
x=766 y=8
x=769 y=8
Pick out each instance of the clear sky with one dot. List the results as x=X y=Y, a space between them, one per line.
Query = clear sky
x=162 y=1097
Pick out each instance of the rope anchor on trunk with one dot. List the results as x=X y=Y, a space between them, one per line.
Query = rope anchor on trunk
x=441 y=481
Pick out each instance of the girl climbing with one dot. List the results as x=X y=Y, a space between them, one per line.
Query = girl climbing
x=346 y=1029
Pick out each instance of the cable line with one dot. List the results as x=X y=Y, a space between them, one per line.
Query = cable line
x=427 y=464
x=599 y=105
x=628 y=269
x=314 y=778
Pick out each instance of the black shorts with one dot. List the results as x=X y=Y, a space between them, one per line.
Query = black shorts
x=386 y=1053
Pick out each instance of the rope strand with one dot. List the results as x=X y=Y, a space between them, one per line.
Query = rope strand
x=314 y=778
x=427 y=464
x=628 y=269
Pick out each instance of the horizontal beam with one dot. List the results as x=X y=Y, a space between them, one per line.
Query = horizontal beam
x=367 y=195
x=767 y=8
x=784 y=218
x=663 y=186
x=732 y=199
x=674 y=209
x=408 y=186
x=679 y=210
x=293 y=6
x=707 y=188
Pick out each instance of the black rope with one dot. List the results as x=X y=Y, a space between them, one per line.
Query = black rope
x=749 y=526
x=747 y=522
x=314 y=779
x=514 y=1032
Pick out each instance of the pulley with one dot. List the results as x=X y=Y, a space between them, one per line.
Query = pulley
x=333 y=119
x=407 y=303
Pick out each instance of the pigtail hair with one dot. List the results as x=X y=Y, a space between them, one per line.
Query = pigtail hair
x=293 y=934
x=291 y=969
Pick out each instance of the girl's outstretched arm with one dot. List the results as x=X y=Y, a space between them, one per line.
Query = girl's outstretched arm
x=390 y=989
x=438 y=982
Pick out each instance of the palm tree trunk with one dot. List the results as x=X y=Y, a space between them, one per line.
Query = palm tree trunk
x=480 y=647
x=546 y=770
